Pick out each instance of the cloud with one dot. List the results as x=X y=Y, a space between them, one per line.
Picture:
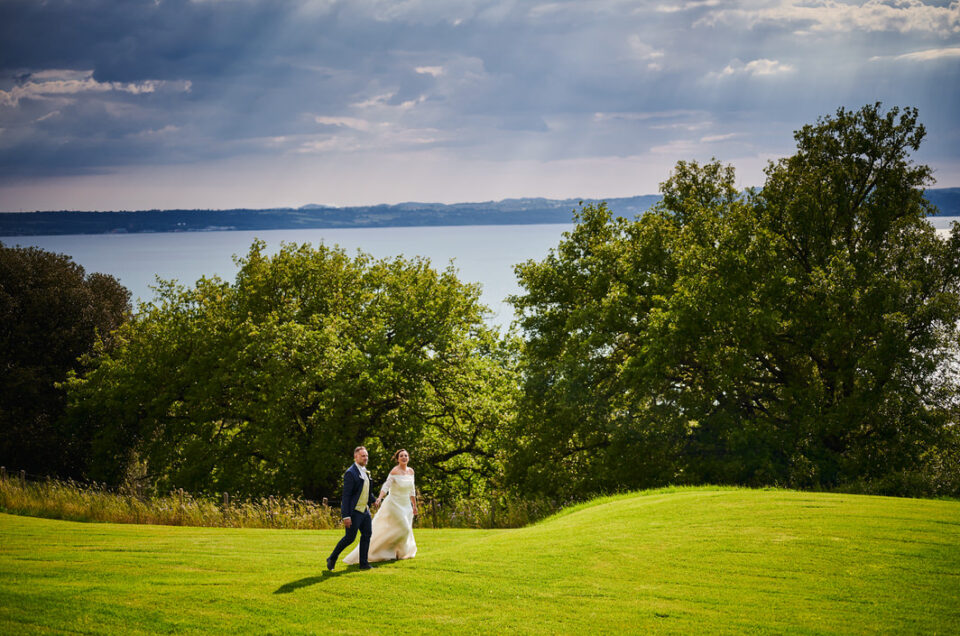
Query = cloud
x=643 y=51
x=433 y=71
x=678 y=148
x=903 y=16
x=927 y=55
x=347 y=122
x=49 y=115
x=48 y=83
x=645 y=116
x=191 y=83
x=715 y=138
x=677 y=7
x=755 y=68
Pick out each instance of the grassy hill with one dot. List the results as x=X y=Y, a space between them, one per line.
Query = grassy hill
x=713 y=560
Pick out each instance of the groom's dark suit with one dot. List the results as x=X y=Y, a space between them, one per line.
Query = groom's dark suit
x=352 y=489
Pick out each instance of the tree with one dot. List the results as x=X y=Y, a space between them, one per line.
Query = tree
x=804 y=335
x=51 y=313
x=265 y=385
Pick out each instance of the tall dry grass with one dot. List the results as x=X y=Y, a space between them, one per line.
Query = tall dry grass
x=55 y=499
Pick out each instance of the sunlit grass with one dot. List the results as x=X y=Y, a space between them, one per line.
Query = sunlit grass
x=707 y=560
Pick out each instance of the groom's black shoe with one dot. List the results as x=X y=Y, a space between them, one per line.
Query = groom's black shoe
x=366 y=567
x=330 y=563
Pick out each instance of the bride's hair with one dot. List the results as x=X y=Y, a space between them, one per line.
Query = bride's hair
x=396 y=456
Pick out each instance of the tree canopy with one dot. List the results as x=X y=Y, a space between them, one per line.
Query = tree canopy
x=265 y=385
x=805 y=334
x=51 y=313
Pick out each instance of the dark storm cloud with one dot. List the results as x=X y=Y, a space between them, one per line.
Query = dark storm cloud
x=87 y=86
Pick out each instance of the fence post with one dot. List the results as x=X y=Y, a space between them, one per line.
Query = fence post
x=226 y=499
x=433 y=511
x=324 y=501
x=23 y=477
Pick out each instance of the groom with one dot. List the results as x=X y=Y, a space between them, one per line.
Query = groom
x=355 y=509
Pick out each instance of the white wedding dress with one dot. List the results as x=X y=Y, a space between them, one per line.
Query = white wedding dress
x=392 y=536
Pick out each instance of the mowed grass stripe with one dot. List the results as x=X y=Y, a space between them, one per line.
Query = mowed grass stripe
x=677 y=560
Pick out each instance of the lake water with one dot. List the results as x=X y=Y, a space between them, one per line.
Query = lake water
x=484 y=254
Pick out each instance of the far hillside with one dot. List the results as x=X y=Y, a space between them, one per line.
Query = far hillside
x=506 y=212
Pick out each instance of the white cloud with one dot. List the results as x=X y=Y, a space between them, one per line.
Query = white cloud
x=755 y=68
x=382 y=102
x=50 y=83
x=410 y=103
x=767 y=67
x=435 y=71
x=544 y=9
x=922 y=56
x=692 y=126
x=384 y=136
x=832 y=16
x=644 y=116
x=677 y=148
x=643 y=51
x=714 y=138
x=169 y=129
x=49 y=115
x=376 y=100
x=676 y=7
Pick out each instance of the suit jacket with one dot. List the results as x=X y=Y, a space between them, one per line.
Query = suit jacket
x=352 y=487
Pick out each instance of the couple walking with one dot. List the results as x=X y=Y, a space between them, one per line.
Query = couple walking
x=390 y=535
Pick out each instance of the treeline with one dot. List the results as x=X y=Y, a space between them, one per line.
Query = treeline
x=507 y=212
x=803 y=335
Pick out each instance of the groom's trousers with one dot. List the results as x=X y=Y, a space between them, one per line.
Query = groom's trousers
x=359 y=521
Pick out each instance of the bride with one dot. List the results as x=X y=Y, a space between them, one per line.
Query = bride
x=393 y=524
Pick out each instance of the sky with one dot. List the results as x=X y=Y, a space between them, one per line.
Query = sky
x=130 y=104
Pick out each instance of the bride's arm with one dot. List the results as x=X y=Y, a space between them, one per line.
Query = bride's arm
x=384 y=490
x=413 y=499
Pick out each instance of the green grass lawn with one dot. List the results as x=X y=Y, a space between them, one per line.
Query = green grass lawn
x=682 y=560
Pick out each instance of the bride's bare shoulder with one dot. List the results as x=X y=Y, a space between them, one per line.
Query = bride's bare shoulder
x=396 y=471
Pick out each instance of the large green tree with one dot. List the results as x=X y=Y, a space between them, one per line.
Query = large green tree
x=804 y=334
x=266 y=384
x=51 y=313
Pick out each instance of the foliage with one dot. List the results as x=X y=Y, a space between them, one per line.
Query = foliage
x=689 y=561
x=265 y=385
x=51 y=313
x=805 y=334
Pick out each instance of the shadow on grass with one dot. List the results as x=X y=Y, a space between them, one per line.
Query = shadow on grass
x=292 y=586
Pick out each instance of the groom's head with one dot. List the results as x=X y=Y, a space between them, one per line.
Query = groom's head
x=360 y=455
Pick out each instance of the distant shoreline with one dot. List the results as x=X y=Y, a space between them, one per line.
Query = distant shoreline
x=507 y=212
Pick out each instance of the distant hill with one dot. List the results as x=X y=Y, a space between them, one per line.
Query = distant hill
x=506 y=212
